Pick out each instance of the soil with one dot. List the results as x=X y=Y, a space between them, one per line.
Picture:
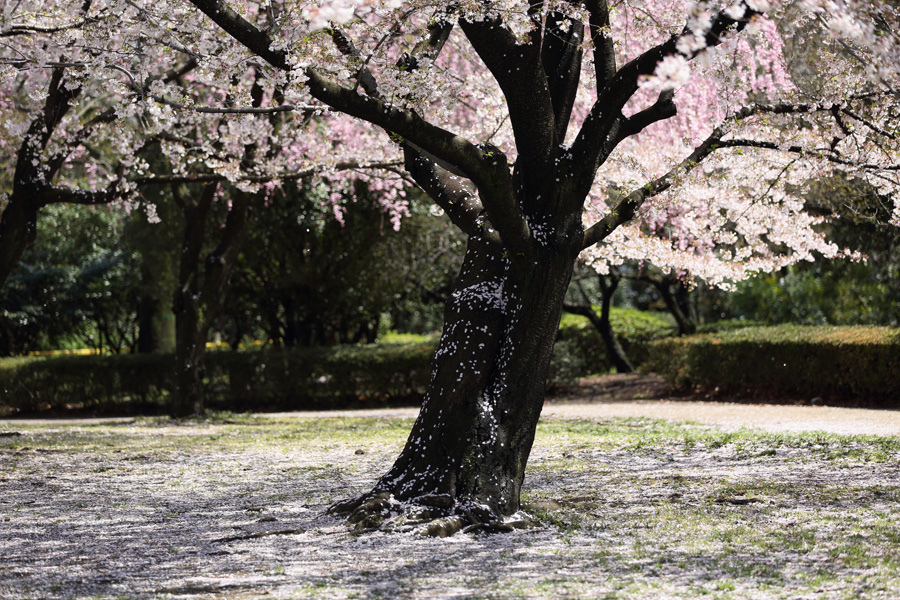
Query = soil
x=648 y=395
x=616 y=387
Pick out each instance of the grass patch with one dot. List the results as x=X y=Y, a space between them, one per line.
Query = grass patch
x=632 y=508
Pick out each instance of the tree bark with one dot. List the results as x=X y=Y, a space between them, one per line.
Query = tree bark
x=18 y=227
x=155 y=332
x=201 y=291
x=678 y=304
x=471 y=442
x=601 y=323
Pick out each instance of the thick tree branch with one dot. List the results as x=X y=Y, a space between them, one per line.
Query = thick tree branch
x=561 y=54
x=432 y=139
x=519 y=71
x=604 y=49
x=58 y=195
x=592 y=145
x=662 y=109
x=243 y=31
x=626 y=208
x=485 y=166
x=461 y=205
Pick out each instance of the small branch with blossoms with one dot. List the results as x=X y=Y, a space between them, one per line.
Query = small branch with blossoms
x=663 y=67
x=265 y=178
x=828 y=155
x=144 y=92
x=17 y=30
x=626 y=208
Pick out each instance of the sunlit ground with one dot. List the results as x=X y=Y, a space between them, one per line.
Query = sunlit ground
x=632 y=508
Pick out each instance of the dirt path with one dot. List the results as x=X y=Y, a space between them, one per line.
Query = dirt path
x=776 y=418
x=645 y=396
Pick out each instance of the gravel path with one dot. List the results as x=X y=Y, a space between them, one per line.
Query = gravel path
x=614 y=396
x=768 y=417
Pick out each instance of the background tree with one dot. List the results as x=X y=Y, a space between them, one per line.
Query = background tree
x=313 y=280
x=582 y=305
x=74 y=286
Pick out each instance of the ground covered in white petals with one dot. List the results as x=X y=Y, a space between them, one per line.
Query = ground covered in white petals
x=632 y=508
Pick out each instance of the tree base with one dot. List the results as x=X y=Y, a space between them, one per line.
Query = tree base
x=436 y=515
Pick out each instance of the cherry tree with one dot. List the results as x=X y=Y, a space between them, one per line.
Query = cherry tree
x=542 y=129
x=515 y=173
x=90 y=94
x=486 y=103
x=812 y=108
x=101 y=104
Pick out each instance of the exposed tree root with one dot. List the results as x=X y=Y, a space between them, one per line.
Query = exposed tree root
x=259 y=534
x=436 y=515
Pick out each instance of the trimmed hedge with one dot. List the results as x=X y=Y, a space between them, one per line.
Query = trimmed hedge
x=300 y=378
x=313 y=378
x=580 y=351
x=303 y=378
x=859 y=364
x=43 y=383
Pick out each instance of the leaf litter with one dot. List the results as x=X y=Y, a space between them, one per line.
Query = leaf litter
x=632 y=508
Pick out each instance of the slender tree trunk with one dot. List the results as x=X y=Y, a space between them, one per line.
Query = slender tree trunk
x=201 y=291
x=613 y=347
x=155 y=332
x=682 y=314
x=602 y=324
x=469 y=447
x=190 y=350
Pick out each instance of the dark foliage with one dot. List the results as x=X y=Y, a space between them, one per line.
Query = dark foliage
x=833 y=364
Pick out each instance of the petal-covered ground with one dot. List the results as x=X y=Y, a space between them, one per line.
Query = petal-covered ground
x=631 y=508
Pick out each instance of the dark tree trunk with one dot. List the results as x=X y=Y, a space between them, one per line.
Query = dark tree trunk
x=469 y=447
x=201 y=291
x=613 y=347
x=18 y=227
x=190 y=350
x=155 y=332
x=678 y=303
x=601 y=323
x=188 y=398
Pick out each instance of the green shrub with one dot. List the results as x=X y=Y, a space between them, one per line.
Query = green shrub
x=42 y=383
x=332 y=377
x=580 y=351
x=727 y=325
x=302 y=378
x=792 y=361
